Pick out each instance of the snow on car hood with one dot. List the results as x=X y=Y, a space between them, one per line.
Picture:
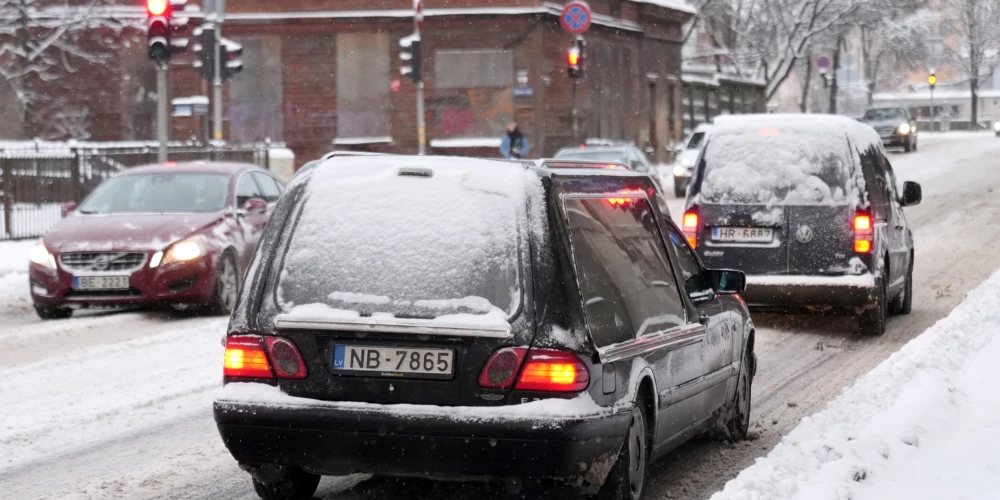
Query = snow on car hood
x=124 y=232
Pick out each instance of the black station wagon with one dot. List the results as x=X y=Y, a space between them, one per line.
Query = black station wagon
x=467 y=319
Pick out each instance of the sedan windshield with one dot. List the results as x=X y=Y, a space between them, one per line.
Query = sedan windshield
x=885 y=114
x=159 y=193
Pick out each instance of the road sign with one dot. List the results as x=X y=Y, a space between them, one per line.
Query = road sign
x=823 y=62
x=575 y=17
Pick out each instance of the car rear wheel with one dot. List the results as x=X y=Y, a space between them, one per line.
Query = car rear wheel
x=627 y=480
x=739 y=421
x=295 y=484
x=47 y=313
x=903 y=304
x=872 y=321
x=227 y=285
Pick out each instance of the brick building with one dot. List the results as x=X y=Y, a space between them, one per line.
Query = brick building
x=320 y=75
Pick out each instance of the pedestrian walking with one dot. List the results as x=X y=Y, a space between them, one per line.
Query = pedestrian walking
x=514 y=144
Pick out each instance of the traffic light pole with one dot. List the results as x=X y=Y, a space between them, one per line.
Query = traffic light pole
x=933 y=109
x=421 y=125
x=576 y=121
x=162 y=119
x=217 y=86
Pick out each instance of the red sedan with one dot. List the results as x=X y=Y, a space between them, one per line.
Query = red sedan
x=170 y=234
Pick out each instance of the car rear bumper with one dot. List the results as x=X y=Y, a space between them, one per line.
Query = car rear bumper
x=378 y=440
x=790 y=291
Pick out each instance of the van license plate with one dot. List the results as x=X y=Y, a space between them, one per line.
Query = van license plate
x=394 y=361
x=742 y=234
x=100 y=282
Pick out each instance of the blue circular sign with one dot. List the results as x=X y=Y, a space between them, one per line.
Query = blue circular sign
x=576 y=17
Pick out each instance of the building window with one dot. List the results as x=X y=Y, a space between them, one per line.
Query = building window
x=473 y=92
x=255 y=95
x=363 y=100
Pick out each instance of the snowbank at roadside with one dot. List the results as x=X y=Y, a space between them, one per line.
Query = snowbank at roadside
x=922 y=424
x=14 y=294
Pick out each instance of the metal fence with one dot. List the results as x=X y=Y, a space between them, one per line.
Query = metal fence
x=35 y=183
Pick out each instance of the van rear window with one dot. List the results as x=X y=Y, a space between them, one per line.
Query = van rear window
x=373 y=241
x=774 y=166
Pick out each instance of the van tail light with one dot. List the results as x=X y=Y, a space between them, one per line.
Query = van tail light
x=502 y=367
x=246 y=358
x=690 y=227
x=553 y=371
x=288 y=363
x=864 y=233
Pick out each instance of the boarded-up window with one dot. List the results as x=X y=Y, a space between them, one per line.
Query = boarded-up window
x=363 y=102
x=611 y=109
x=255 y=95
x=473 y=92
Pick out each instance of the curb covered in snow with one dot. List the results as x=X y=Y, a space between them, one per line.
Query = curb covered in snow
x=875 y=429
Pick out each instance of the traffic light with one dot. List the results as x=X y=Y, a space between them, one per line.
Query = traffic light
x=932 y=80
x=232 y=58
x=576 y=58
x=204 y=50
x=163 y=27
x=410 y=54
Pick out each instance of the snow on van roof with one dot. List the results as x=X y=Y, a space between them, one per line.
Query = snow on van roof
x=775 y=159
x=415 y=237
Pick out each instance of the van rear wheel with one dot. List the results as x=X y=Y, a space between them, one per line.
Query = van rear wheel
x=872 y=321
x=903 y=304
x=294 y=484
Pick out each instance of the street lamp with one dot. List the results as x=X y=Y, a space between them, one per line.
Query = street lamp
x=651 y=79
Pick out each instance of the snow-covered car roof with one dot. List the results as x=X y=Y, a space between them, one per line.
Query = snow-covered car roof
x=861 y=135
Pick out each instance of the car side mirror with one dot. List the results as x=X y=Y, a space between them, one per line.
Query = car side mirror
x=912 y=194
x=727 y=281
x=68 y=209
x=255 y=206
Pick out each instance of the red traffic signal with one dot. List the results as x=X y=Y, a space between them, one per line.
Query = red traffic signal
x=573 y=57
x=157 y=7
x=576 y=57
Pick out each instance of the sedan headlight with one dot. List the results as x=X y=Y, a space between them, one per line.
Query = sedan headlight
x=41 y=256
x=680 y=171
x=996 y=126
x=904 y=128
x=185 y=250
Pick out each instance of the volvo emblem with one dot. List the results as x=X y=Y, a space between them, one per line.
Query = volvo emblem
x=804 y=234
x=100 y=263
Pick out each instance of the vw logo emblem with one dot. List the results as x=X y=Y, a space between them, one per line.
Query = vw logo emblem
x=101 y=263
x=804 y=234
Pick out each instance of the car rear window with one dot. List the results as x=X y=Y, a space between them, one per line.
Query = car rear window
x=437 y=240
x=765 y=165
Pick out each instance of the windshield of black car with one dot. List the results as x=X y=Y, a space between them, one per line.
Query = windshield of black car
x=695 y=141
x=772 y=166
x=593 y=154
x=370 y=241
x=159 y=193
x=885 y=114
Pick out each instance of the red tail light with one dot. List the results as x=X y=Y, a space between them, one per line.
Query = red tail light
x=553 y=371
x=864 y=233
x=288 y=362
x=246 y=358
x=690 y=227
x=502 y=367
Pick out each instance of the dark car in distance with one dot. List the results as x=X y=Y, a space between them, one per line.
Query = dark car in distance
x=809 y=208
x=467 y=319
x=894 y=126
x=168 y=234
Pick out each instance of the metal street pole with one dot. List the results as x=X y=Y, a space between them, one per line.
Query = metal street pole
x=418 y=29
x=576 y=125
x=421 y=125
x=217 y=86
x=933 y=110
x=162 y=122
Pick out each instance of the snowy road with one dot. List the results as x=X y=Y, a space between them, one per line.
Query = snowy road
x=124 y=412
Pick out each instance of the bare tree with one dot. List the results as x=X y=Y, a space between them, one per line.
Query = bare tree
x=975 y=23
x=768 y=38
x=890 y=34
x=46 y=40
